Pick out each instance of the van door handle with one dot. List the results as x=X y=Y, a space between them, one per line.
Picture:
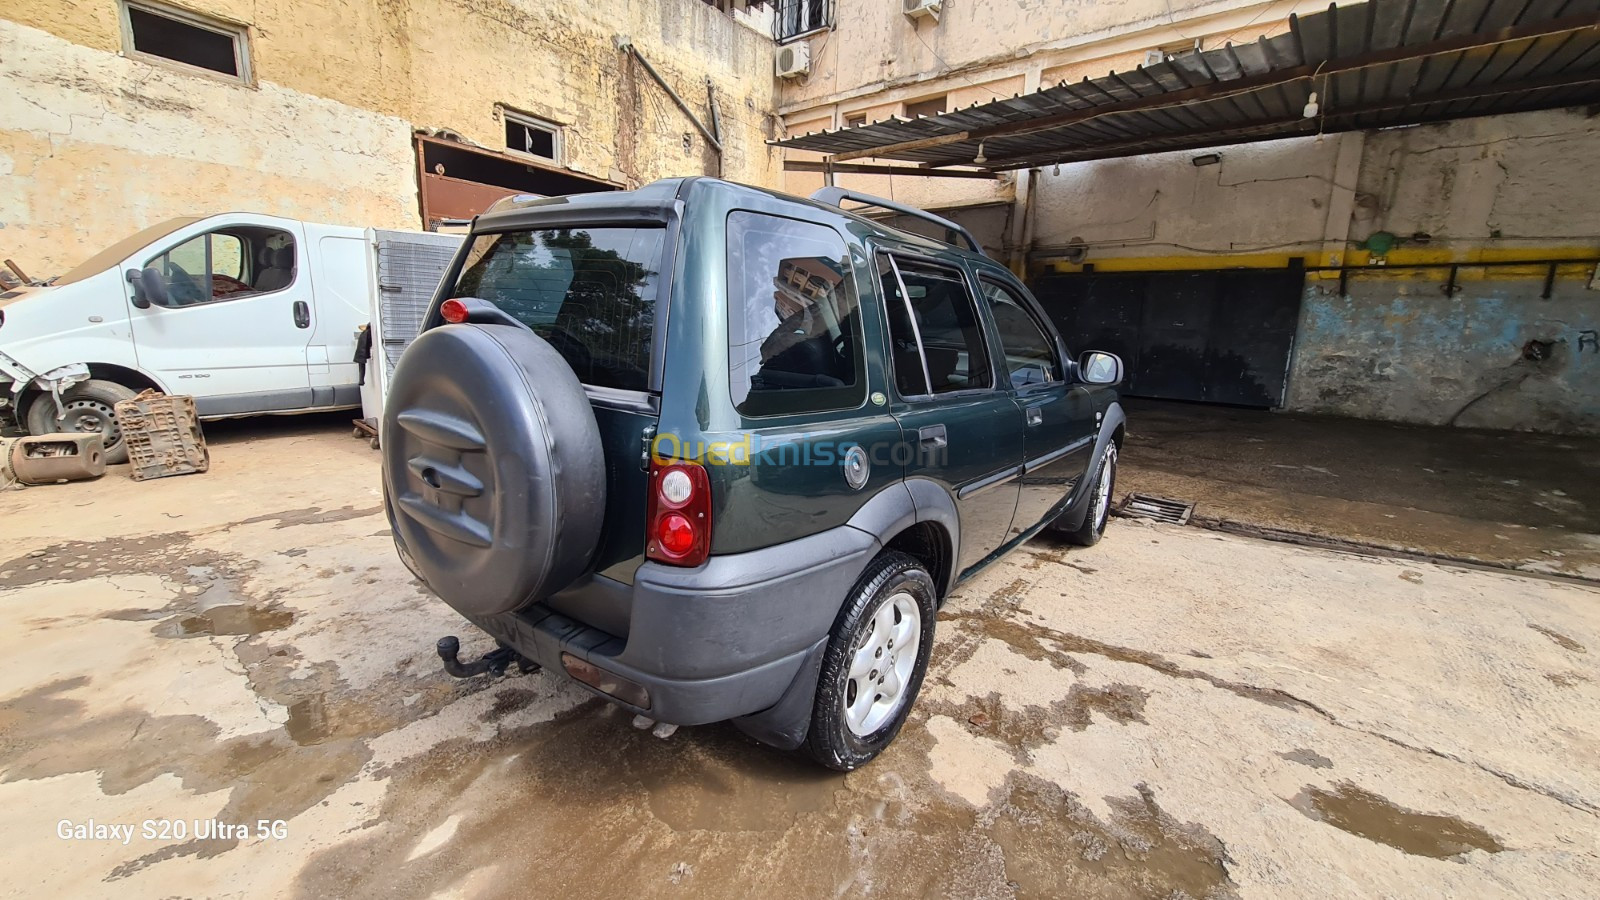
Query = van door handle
x=934 y=437
x=302 y=314
x=1035 y=416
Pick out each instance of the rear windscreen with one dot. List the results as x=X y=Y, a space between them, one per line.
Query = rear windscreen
x=590 y=292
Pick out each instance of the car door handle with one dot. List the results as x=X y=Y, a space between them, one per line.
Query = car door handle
x=1035 y=416
x=933 y=437
x=302 y=314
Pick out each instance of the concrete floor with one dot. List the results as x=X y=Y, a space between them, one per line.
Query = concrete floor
x=1526 y=501
x=1173 y=713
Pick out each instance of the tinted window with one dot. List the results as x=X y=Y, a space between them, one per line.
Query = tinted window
x=1030 y=358
x=794 y=325
x=946 y=326
x=590 y=292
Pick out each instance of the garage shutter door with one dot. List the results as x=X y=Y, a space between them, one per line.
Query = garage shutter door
x=1212 y=336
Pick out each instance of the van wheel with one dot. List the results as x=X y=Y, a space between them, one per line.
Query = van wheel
x=89 y=407
x=872 y=670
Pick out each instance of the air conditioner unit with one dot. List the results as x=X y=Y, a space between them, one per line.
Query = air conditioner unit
x=794 y=60
x=917 y=9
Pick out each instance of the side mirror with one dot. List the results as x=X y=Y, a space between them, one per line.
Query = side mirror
x=1095 y=367
x=148 y=287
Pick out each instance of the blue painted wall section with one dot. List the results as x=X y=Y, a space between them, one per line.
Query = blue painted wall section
x=1496 y=355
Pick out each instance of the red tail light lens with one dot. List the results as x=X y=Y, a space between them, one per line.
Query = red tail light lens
x=454 y=311
x=678 y=532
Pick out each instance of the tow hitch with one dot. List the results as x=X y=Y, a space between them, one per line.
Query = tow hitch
x=493 y=663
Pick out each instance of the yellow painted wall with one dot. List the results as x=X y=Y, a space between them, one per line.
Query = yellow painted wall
x=325 y=131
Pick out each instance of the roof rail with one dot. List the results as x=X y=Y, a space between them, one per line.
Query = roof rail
x=835 y=196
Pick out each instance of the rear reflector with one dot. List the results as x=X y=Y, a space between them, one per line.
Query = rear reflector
x=453 y=311
x=629 y=692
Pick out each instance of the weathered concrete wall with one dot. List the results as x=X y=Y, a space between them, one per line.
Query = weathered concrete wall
x=339 y=85
x=1482 y=189
x=94 y=146
x=1398 y=349
x=1266 y=201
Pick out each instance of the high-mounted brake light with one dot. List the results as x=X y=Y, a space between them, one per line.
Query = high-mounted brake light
x=678 y=527
x=454 y=311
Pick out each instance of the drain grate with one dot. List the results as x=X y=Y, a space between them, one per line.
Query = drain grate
x=1161 y=509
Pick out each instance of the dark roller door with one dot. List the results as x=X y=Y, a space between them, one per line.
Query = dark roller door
x=1219 y=336
x=1252 y=333
x=1175 y=333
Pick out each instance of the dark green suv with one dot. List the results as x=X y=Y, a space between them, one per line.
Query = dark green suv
x=719 y=453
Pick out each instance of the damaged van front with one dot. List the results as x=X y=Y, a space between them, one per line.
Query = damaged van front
x=48 y=335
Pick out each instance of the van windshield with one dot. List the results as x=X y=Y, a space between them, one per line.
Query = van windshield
x=590 y=292
x=124 y=248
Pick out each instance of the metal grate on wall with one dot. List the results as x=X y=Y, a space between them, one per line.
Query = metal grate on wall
x=410 y=266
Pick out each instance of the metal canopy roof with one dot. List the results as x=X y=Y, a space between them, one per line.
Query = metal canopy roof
x=1372 y=65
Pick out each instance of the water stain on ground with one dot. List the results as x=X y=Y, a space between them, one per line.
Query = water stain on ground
x=1368 y=815
x=1023 y=730
x=311 y=515
x=170 y=555
x=509 y=701
x=229 y=619
x=714 y=813
x=1055 y=847
x=1307 y=758
x=1560 y=639
x=1036 y=641
x=51 y=734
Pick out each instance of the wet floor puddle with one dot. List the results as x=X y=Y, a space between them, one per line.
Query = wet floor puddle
x=1368 y=815
x=1055 y=847
x=233 y=619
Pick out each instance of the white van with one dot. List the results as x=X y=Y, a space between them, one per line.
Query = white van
x=247 y=313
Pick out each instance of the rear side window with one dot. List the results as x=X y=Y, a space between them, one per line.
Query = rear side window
x=933 y=326
x=794 y=323
x=590 y=292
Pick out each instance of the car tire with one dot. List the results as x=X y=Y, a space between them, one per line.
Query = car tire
x=892 y=604
x=1105 y=486
x=90 y=406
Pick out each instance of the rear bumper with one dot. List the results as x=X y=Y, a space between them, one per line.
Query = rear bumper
x=726 y=639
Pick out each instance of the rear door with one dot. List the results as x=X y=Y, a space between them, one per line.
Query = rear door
x=234 y=329
x=1058 y=418
x=963 y=429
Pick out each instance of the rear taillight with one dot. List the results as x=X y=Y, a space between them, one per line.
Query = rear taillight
x=453 y=311
x=678 y=530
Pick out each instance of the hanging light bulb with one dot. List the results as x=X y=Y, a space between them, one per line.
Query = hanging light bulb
x=980 y=159
x=1311 y=109
x=1057 y=170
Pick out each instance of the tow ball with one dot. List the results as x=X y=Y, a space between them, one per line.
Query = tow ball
x=493 y=663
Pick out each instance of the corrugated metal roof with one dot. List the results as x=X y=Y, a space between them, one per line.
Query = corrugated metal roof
x=1373 y=65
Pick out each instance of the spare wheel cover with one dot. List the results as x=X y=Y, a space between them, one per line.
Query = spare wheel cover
x=493 y=466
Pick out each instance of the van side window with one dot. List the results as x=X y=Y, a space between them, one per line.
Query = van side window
x=1030 y=354
x=227 y=264
x=794 y=320
x=931 y=309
